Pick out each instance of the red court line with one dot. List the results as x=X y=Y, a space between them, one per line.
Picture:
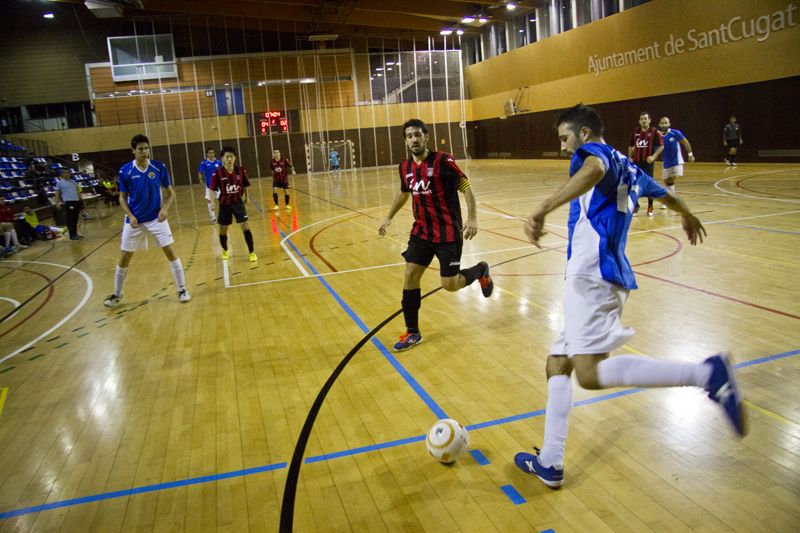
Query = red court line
x=739 y=184
x=712 y=293
x=49 y=295
x=314 y=249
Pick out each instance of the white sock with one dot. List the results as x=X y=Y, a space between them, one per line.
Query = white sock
x=177 y=273
x=7 y=236
x=211 y=210
x=14 y=237
x=635 y=371
x=119 y=279
x=556 y=420
x=671 y=188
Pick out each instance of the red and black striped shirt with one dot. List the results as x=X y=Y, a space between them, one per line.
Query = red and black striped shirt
x=279 y=169
x=434 y=185
x=230 y=185
x=644 y=143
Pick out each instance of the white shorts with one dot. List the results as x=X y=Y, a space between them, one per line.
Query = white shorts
x=673 y=172
x=208 y=194
x=592 y=317
x=132 y=237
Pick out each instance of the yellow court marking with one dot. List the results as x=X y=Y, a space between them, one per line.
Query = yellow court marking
x=3 y=394
x=761 y=410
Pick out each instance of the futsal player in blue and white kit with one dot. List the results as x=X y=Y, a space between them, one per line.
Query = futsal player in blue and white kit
x=140 y=185
x=672 y=156
x=602 y=190
x=207 y=168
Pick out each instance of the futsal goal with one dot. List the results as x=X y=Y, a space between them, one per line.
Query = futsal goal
x=318 y=155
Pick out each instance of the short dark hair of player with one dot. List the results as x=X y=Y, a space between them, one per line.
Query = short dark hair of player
x=210 y=149
x=643 y=113
x=582 y=116
x=139 y=139
x=227 y=149
x=415 y=123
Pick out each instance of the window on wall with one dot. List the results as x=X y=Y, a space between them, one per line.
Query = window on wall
x=518 y=31
x=565 y=14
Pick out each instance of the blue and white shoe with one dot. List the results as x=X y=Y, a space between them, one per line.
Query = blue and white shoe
x=722 y=389
x=408 y=340
x=551 y=476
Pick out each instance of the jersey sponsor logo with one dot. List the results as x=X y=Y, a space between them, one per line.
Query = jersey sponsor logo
x=420 y=186
x=642 y=143
x=232 y=188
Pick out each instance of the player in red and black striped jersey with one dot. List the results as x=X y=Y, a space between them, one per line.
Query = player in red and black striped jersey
x=644 y=147
x=280 y=179
x=231 y=181
x=433 y=180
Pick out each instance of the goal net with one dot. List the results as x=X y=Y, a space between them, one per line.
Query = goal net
x=318 y=155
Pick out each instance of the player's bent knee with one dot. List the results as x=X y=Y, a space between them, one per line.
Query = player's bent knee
x=451 y=284
x=586 y=370
x=558 y=365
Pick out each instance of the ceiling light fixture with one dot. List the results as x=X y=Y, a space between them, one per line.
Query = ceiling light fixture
x=468 y=19
x=459 y=31
x=511 y=6
x=49 y=15
x=446 y=31
x=482 y=19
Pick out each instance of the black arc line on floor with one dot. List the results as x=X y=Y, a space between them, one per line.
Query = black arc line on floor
x=293 y=474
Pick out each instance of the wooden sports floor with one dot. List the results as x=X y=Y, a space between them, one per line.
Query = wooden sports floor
x=161 y=416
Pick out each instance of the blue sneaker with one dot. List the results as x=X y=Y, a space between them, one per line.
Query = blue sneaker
x=408 y=340
x=551 y=476
x=722 y=389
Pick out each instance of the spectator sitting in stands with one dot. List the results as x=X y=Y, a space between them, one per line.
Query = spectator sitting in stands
x=110 y=192
x=7 y=226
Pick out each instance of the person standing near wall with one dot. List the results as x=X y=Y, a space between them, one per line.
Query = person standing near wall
x=732 y=139
x=68 y=196
x=644 y=147
x=280 y=179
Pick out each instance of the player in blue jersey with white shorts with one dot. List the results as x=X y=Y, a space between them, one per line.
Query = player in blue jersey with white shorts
x=207 y=168
x=140 y=185
x=671 y=155
x=602 y=190
x=334 y=157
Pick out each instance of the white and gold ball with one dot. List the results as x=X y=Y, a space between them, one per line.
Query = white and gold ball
x=447 y=440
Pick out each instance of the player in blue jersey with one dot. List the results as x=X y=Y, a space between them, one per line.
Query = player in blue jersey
x=602 y=190
x=204 y=173
x=140 y=184
x=672 y=156
x=334 y=157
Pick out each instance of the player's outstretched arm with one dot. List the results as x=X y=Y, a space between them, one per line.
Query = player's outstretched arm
x=685 y=143
x=587 y=177
x=694 y=229
x=471 y=225
x=399 y=201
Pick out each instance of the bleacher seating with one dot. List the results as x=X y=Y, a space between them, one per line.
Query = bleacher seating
x=22 y=178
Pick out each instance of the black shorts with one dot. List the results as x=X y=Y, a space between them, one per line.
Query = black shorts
x=228 y=211
x=733 y=143
x=421 y=252
x=282 y=184
x=647 y=167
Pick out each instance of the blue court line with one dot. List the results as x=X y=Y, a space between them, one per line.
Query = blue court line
x=479 y=457
x=140 y=490
x=413 y=383
x=760 y=229
x=512 y=494
x=335 y=455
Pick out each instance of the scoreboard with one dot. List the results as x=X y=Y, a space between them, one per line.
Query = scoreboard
x=275 y=121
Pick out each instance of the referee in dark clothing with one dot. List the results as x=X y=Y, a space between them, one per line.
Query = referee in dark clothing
x=644 y=147
x=67 y=195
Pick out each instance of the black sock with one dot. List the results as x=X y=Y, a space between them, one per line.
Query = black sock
x=286 y=197
x=472 y=273
x=649 y=203
x=223 y=241
x=733 y=158
x=275 y=197
x=248 y=238
x=411 y=303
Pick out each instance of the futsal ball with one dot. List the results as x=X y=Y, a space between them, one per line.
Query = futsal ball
x=447 y=440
